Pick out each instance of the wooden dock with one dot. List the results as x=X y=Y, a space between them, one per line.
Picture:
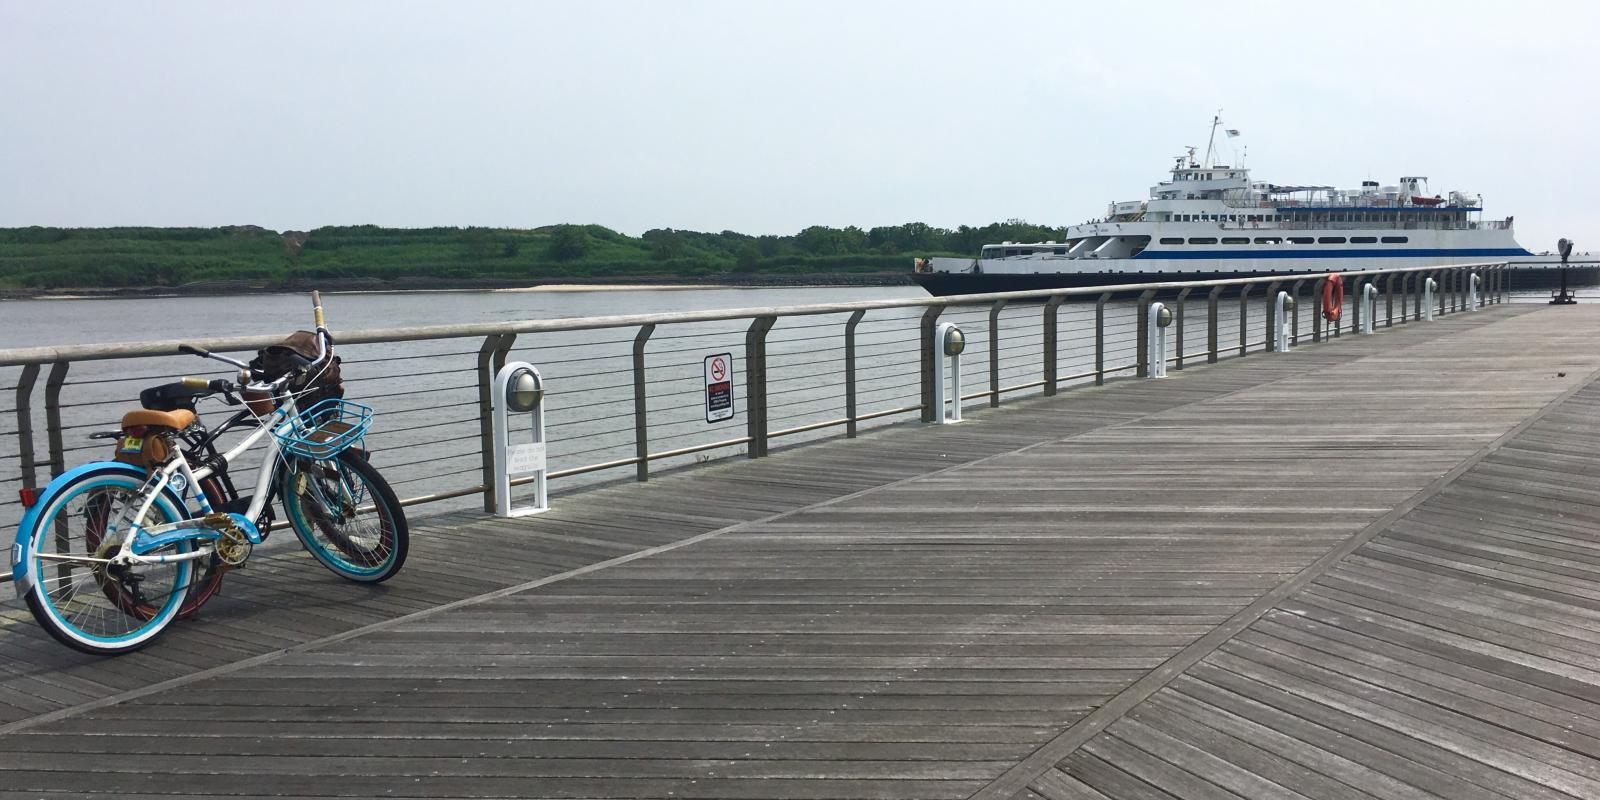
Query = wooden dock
x=1366 y=568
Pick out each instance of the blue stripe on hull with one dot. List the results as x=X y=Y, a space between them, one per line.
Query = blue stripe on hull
x=1474 y=252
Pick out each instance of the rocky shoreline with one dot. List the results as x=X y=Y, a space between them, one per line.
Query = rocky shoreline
x=211 y=288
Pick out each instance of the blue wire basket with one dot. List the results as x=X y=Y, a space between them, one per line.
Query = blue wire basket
x=324 y=430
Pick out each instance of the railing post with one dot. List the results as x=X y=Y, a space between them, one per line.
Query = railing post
x=755 y=371
x=1100 y=339
x=1388 y=300
x=850 y=373
x=1272 y=316
x=1358 y=297
x=994 y=352
x=1142 y=326
x=1405 y=296
x=930 y=320
x=641 y=411
x=1317 y=294
x=1504 y=281
x=1441 y=290
x=1183 y=295
x=491 y=357
x=1294 y=318
x=30 y=475
x=1051 y=345
x=1211 y=324
x=1416 y=300
x=1244 y=318
x=52 y=416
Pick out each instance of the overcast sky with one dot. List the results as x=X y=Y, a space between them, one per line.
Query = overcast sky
x=766 y=117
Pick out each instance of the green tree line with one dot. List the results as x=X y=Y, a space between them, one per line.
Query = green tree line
x=50 y=258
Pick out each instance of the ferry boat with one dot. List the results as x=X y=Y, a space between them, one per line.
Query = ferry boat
x=1213 y=221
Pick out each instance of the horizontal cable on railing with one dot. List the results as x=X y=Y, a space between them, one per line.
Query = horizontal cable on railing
x=368 y=378
x=410 y=392
x=378 y=359
x=427 y=443
x=434 y=476
x=392 y=412
x=587 y=420
x=432 y=459
x=580 y=360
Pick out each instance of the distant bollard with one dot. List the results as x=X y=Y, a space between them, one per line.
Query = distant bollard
x=518 y=389
x=1472 y=292
x=948 y=341
x=1369 y=307
x=1156 y=344
x=1428 y=288
x=1285 y=307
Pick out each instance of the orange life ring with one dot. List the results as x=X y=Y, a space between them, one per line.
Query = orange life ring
x=1333 y=298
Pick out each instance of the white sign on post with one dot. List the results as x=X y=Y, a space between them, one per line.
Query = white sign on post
x=719 y=387
x=522 y=459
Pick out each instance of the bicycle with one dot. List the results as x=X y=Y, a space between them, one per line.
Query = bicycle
x=112 y=552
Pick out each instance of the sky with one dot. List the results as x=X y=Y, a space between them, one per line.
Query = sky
x=767 y=117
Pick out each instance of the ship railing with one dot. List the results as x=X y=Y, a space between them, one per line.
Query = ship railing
x=628 y=394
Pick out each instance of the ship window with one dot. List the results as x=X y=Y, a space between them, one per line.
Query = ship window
x=1011 y=252
x=1203 y=241
x=1236 y=240
x=1302 y=239
x=1172 y=240
x=1060 y=251
x=1396 y=239
x=1268 y=240
x=1363 y=240
x=1331 y=240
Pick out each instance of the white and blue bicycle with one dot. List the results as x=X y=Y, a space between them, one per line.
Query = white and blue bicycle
x=112 y=552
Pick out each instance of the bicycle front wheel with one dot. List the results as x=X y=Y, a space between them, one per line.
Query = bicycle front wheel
x=346 y=516
x=74 y=593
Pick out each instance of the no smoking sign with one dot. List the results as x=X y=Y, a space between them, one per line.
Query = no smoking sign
x=719 y=387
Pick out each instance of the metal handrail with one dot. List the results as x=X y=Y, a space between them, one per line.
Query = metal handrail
x=499 y=339
x=94 y=352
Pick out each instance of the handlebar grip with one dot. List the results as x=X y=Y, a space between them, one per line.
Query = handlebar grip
x=196 y=383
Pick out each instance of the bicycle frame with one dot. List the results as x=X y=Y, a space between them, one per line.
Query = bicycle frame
x=142 y=541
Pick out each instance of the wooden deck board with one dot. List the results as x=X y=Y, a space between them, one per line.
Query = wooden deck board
x=936 y=612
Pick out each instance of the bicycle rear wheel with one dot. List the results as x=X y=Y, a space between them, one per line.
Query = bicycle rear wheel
x=346 y=516
x=75 y=595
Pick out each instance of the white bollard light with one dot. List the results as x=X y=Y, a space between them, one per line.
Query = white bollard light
x=948 y=342
x=518 y=389
x=1472 y=292
x=1428 y=288
x=1156 y=340
x=1369 y=307
x=1285 y=307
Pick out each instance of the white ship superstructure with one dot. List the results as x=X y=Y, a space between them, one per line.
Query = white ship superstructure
x=1214 y=220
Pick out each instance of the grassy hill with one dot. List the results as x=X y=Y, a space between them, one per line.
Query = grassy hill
x=103 y=258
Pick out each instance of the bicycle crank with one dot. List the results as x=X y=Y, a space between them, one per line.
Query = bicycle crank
x=233 y=547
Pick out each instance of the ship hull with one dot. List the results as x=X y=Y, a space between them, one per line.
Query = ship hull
x=944 y=284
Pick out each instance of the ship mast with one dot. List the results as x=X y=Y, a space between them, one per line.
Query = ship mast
x=1211 y=144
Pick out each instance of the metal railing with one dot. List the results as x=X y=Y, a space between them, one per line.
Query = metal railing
x=625 y=391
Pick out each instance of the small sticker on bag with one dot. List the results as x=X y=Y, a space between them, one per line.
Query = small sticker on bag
x=131 y=445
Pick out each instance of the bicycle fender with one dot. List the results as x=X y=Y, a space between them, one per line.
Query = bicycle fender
x=30 y=519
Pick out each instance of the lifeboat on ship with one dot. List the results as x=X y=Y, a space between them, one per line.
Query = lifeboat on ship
x=1427 y=201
